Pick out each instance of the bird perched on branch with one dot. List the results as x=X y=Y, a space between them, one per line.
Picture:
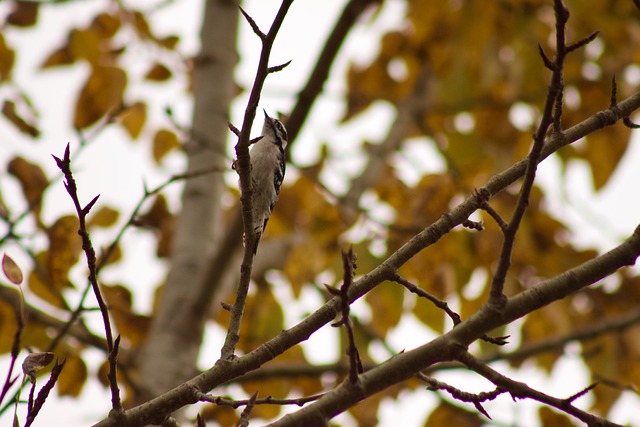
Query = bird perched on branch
x=267 y=172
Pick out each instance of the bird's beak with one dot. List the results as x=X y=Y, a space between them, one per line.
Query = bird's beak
x=266 y=116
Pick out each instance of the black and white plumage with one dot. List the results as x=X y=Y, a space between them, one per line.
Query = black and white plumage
x=267 y=172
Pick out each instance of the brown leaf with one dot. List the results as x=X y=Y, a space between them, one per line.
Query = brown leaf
x=7 y=58
x=34 y=362
x=32 y=180
x=60 y=56
x=164 y=141
x=101 y=94
x=10 y=113
x=160 y=218
x=105 y=26
x=41 y=286
x=85 y=44
x=24 y=14
x=72 y=377
x=11 y=270
x=142 y=27
x=105 y=217
x=169 y=42
x=549 y=417
x=133 y=118
x=158 y=73
x=64 y=250
x=448 y=414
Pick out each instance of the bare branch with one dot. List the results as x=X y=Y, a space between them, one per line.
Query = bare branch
x=243 y=166
x=64 y=165
x=348 y=264
x=521 y=390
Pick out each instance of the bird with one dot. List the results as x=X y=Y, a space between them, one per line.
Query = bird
x=267 y=173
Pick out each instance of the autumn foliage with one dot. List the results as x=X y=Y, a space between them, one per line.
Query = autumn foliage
x=427 y=214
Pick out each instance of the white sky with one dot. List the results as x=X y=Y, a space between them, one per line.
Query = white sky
x=616 y=209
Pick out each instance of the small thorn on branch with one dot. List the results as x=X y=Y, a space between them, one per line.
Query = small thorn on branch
x=585 y=41
x=233 y=129
x=253 y=24
x=87 y=208
x=581 y=393
x=545 y=59
x=277 y=68
x=628 y=123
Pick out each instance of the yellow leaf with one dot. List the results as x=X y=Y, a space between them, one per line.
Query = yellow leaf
x=447 y=414
x=263 y=319
x=8 y=324
x=169 y=42
x=101 y=95
x=105 y=217
x=85 y=44
x=133 y=118
x=72 y=377
x=41 y=287
x=64 y=250
x=24 y=14
x=60 y=56
x=9 y=111
x=105 y=25
x=7 y=58
x=158 y=73
x=11 y=270
x=603 y=151
x=386 y=302
x=164 y=142
x=548 y=417
x=132 y=327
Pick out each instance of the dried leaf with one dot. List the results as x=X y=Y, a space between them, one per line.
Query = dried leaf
x=85 y=44
x=105 y=217
x=7 y=58
x=133 y=118
x=160 y=218
x=131 y=326
x=158 y=73
x=101 y=94
x=64 y=250
x=169 y=42
x=11 y=270
x=32 y=180
x=73 y=377
x=10 y=113
x=60 y=56
x=164 y=142
x=34 y=362
x=448 y=414
x=105 y=26
x=24 y=14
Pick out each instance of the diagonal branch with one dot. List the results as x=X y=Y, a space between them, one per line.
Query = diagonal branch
x=520 y=390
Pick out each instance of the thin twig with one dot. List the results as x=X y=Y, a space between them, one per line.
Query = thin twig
x=520 y=390
x=463 y=396
x=348 y=265
x=64 y=165
x=551 y=115
x=225 y=401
